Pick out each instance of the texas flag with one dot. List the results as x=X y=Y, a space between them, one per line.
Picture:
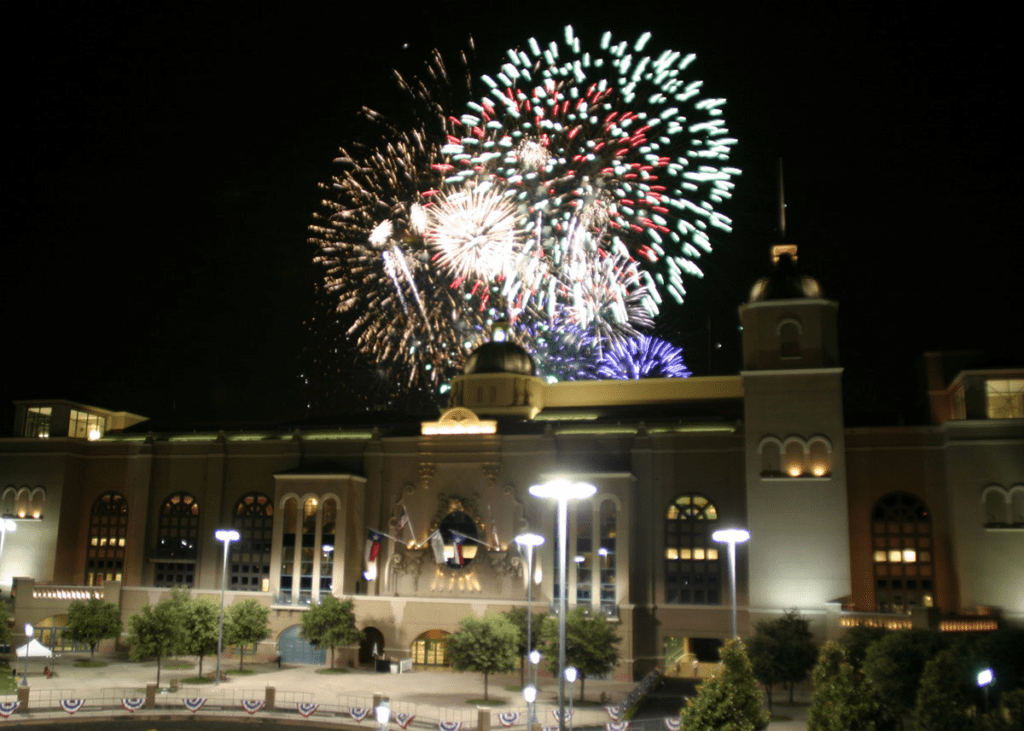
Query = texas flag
x=373 y=539
x=457 y=541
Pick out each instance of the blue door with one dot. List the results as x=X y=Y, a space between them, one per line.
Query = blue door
x=296 y=650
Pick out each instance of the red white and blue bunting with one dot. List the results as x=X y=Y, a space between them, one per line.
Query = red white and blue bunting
x=404 y=719
x=568 y=713
x=252 y=707
x=307 y=709
x=614 y=712
x=617 y=725
x=8 y=707
x=449 y=725
x=72 y=705
x=672 y=724
x=508 y=718
x=358 y=713
x=193 y=704
x=133 y=704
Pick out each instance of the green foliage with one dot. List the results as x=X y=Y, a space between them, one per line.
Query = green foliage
x=1011 y=710
x=856 y=642
x=331 y=623
x=158 y=631
x=591 y=644
x=245 y=623
x=5 y=614
x=941 y=703
x=486 y=645
x=895 y=663
x=730 y=700
x=843 y=699
x=517 y=616
x=782 y=651
x=202 y=619
x=1001 y=650
x=93 y=620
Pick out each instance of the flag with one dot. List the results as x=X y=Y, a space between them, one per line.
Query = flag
x=437 y=546
x=373 y=539
x=457 y=541
x=403 y=520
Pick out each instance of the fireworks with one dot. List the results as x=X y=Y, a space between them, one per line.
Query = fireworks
x=643 y=357
x=567 y=199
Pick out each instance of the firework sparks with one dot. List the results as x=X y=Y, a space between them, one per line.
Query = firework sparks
x=643 y=357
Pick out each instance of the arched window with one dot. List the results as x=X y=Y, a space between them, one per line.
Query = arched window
x=607 y=557
x=250 y=555
x=108 y=532
x=290 y=509
x=693 y=573
x=9 y=501
x=901 y=527
x=177 y=541
x=308 y=554
x=819 y=457
x=330 y=510
x=38 y=501
x=771 y=457
x=789 y=339
x=1017 y=506
x=793 y=457
x=997 y=505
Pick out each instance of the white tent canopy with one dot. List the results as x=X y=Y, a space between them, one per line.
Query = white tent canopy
x=35 y=648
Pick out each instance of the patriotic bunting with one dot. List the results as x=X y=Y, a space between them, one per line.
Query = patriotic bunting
x=672 y=723
x=133 y=704
x=449 y=725
x=193 y=704
x=568 y=713
x=307 y=709
x=404 y=719
x=8 y=707
x=72 y=705
x=617 y=725
x=252 y=707
x=358 y=713
x=508 y=718
x=614 y=712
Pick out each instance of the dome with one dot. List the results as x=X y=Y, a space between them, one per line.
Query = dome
x=500 y=357
x=785 y=283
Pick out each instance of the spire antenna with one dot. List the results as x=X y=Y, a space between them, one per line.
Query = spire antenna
x=782 y=202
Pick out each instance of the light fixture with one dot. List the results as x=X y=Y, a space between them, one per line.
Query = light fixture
x=530 y=541
x=226 y=536
x=732 y=536
x=28 y=651
x=383 y=714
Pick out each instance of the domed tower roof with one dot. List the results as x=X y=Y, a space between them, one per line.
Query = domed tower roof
x=500 y=355
x=785 y=283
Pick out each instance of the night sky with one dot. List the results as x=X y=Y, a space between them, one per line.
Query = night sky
x=163 y=168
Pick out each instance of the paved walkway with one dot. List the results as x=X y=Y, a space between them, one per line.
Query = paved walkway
x=435 y=689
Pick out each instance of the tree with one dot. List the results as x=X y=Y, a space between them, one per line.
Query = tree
x=856 y=642
x=5 y=630
x=729 y=700
x=202 y=622
x=782 y=651
x=591 y=644
x=842 y=698
x=245 y=623
x=485 y=645
x=158 y=631
x=941 y=703
x=93 y=620
x=331 y=623
x=895 y=663
x=517 y=616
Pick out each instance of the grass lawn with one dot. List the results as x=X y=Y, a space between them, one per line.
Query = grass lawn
x=90 y=664
x=331 y=671
x=489 y=702
x=198 y=680
x=8 y=684
x=247 y=671
x=177 y=665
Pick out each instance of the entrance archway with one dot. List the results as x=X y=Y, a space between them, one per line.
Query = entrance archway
x=295 y=650
x=372 y=638
x=431 y=649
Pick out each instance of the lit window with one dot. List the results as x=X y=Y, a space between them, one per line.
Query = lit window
x=895 y=556
x=83 y=425
x=880 y=556
x=903 y=572
x=108 y=523
x=1005 y=398
x=909 y=555
x=696 y=577
x=37 y=421
x=250 y=554
x=177 y=541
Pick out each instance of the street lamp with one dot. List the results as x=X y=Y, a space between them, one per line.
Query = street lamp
x=530 y=696
x=6 y=526
x=732 y=536
x=383 y=714
x=227 y=536
x=28 y=651
x=570 y=674
x=529 y=541
x=985 y=678
x=563 y=491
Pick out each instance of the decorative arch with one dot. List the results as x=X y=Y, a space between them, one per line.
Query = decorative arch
x=996 y=501
x=770 y=450
x=431 y=648
x=901 y=527
x=1017 y=506
x=177 y=541
x=790 y=332
x=108 y=533
x=9 y=501
x=794 y=456
x=253 y=518
x=37 y=501
x=819 y=455
x=693 y=572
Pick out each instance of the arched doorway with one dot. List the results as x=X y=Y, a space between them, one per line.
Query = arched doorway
x=431 y=649
x=294 y=649
x=373 y=639
x=51 y=633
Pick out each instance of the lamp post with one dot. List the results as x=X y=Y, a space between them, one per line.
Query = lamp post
x=985 y=678
x=732 y=536
x=383 y=715
x=530 y=696
x=6 y=526
x=227 y=536
x=28 y=651
x=571 y=674
x=563 y=491
x=529 y=541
